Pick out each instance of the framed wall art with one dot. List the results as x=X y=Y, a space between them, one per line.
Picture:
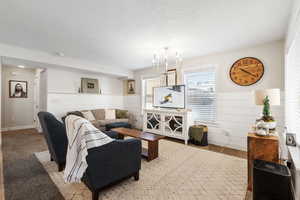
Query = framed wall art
x=291 y=139
x=18 y=89
x=130 y=86
x=171 y=77
x=89 y=85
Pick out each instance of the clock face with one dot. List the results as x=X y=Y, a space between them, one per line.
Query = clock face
x=246 y=71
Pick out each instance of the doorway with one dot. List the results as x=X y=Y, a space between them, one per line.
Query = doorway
x=21 y=96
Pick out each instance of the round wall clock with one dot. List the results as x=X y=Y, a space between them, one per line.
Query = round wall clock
x=246 y=71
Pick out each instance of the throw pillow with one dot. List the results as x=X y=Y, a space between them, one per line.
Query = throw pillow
x=99 y=114
x=122 y=114
x=110 y=114
x=89 y=115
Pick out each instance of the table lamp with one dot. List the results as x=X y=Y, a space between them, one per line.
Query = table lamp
x=267 y=98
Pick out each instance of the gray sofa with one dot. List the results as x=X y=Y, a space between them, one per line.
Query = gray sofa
x=100 y=120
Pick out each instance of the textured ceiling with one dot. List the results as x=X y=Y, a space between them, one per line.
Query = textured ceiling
x=126 y=33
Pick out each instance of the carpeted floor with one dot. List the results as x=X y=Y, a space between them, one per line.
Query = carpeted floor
x=181 y=172
x=24 y=176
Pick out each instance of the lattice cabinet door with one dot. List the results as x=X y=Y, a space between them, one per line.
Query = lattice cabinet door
x=173 y=125
x=153 y=122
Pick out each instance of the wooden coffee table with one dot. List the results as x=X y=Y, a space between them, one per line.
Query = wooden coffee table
x=152 y=139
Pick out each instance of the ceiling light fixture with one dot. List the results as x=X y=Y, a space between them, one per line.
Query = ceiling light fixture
x=161 y=62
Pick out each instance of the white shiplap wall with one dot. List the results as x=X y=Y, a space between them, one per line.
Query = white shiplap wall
x=236 y=113
x=63 y=93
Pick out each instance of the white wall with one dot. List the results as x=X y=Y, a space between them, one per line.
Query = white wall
x=236 y=111
x=294 y=24
x=63 y=96
x=17 y=112
x=43 y=91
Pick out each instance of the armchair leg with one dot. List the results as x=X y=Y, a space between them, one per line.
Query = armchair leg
x=137 y=176
x=95 y=195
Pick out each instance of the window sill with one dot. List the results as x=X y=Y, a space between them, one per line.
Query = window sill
x=211 y=124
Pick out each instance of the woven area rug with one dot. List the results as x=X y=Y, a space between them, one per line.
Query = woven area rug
x=181 y=172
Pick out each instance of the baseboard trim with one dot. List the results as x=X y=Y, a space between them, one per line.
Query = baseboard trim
x=230 y=145
x=14 y=128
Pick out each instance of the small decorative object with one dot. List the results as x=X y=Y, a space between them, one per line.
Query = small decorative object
x=246 y=71
x=291 y=139
x=89 y=85
x=261 y=128
x=18 y=89
x=130 y=86
x=172 y=77
x=198 y=135
x=262 y=132
x=267 y=98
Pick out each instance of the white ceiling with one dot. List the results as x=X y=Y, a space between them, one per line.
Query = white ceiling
x=126 y=33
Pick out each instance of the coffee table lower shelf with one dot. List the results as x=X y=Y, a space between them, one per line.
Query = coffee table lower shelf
x=152 y=152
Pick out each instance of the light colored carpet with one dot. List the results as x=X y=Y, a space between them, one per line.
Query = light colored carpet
x=181 y=172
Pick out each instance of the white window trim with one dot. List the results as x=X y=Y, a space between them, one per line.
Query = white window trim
x=143 y=100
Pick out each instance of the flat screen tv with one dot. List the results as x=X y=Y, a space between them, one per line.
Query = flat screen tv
x=169 y=97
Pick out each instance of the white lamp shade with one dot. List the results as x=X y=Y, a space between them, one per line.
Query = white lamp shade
x=273 y=95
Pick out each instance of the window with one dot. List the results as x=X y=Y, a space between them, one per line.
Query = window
x=292 y=89
x=201 y=96
x=148 y=85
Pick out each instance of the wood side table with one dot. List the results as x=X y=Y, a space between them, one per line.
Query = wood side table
x=263 y=148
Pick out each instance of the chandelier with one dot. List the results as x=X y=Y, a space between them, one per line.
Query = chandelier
x=162 y=63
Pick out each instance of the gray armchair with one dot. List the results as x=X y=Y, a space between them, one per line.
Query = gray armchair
x=107 y=164
x=56 y=138
x=113 y=162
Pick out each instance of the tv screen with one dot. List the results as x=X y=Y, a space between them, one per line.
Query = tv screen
x=169 y=97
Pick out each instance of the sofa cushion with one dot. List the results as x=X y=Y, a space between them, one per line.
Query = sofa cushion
x=99 y=114
x=117 y=125
x=121 y=114
x=109 y=121
x=110 y=114
x=88 y=115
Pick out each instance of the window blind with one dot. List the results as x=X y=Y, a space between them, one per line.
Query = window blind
x=201 y=96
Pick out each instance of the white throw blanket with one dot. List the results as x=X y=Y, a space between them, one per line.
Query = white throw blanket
x=82 y=135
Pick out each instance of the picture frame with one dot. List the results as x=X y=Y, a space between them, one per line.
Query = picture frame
x=18 y=89
x=130 y=86
x=171 y=77
x=291 y=139
x=89 y=85
x=163 y=80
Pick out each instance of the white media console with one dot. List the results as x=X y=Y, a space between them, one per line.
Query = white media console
x=167 y=122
